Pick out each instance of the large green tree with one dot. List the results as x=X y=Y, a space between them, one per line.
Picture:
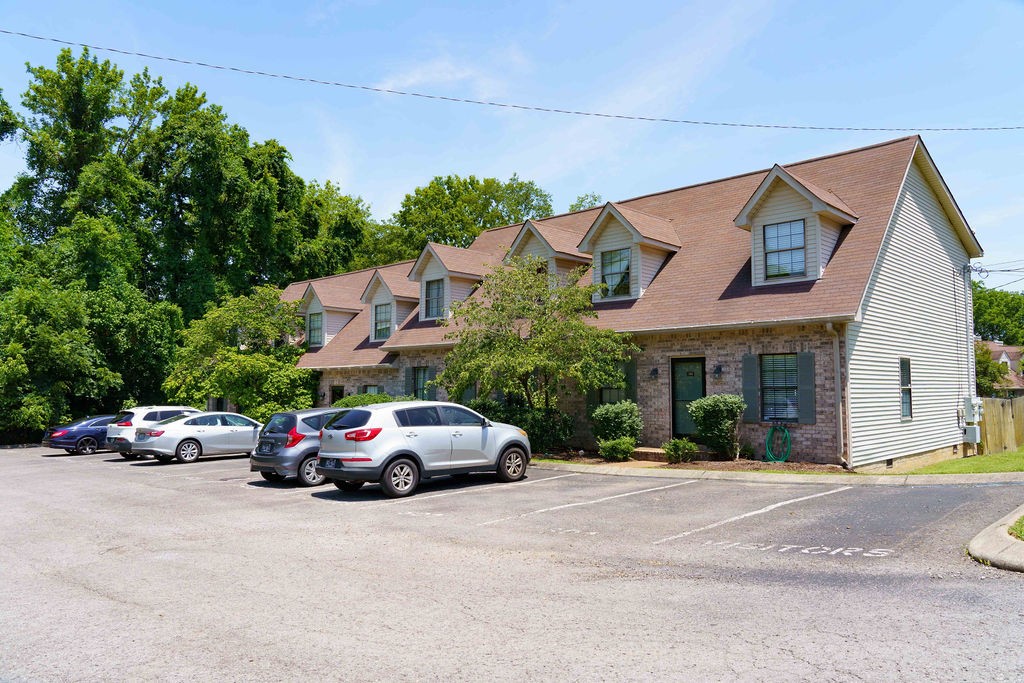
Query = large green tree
x=239 y=351
x=526 y=333
x=988 y=372
x=998 y=315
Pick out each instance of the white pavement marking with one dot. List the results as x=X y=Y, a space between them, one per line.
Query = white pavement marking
x=413 y=499
x=751 y=514
x=587 y=502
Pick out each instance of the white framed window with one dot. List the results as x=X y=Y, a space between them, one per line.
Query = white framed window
x=615 y=271
x=420 y=377
x=779 y=386
x=382 y=321
x=906 y=396
x=316 y=329
x=371 y=389
x=434 y=303
x=784 y=249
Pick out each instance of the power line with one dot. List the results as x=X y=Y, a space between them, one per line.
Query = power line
x=508 y=105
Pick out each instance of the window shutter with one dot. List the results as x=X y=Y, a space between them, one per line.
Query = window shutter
x=805 y=394
x=409 y=381
x=431 y=388
x=629 y=370
x=593 y=399
x=751 y=389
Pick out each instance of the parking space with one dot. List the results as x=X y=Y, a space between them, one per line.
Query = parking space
x=173 y=551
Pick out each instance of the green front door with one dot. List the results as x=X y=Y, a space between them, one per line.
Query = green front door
x=687 y=386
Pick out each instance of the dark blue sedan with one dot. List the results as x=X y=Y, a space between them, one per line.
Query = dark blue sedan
x=83 y=436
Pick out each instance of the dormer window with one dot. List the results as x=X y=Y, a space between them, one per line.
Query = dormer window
x=615 y=271
x=784 y=249
x=316 y=329
x=434 y=303
x=381 y=321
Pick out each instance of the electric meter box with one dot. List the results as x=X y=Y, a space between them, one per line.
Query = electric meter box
x=972 y=409
x=972 y=434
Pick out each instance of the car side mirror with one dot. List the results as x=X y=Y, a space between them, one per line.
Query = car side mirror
x=484 y=422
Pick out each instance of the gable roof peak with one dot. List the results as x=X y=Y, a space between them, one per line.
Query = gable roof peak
x=822 y=201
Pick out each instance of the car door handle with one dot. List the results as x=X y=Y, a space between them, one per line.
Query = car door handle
x=456 y=433
x=412 y=434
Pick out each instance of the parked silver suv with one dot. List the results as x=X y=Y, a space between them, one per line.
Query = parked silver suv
x=397 y=444
x=121 y=430
x=289 y=444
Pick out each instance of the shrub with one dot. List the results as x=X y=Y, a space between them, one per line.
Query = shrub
x=717 y=418
x=616 y=450
x=549 y=429
x=356 y=400
x=616 y=420
x=679 y=450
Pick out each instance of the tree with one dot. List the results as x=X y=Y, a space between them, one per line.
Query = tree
x=524 y=333
x=333 y=226
x=8 y=120
x=988 y=372
x=586 y=201
x=998 y=315
x=239 y=351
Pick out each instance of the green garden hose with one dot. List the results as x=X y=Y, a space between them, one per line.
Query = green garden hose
x=781 y=452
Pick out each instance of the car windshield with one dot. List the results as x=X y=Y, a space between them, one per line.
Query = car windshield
x=279 y=423
x=353 y=418
x=176 y=418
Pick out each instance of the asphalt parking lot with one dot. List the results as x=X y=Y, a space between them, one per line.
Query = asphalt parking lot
x=136 y=570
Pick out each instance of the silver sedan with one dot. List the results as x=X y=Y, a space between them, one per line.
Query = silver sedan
x=186 y=437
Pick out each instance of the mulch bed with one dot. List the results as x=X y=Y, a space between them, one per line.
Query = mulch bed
x=741 y=465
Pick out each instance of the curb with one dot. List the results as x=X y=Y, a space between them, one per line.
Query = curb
x=763 y=477
x=995 y=546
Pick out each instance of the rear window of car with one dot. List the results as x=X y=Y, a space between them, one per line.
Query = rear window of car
x=280 y=423
x=418 y=417
x=124 y=417
x=353 y=418
x=102 y=422
x=169 y=420
x=316 y=422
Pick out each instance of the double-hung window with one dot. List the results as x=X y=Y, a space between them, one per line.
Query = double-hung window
x=615 y=272
x=420 y=377
x=779 y=387
x=382 y=321
x=784 y=249
x=906 y=399
x=434 y=298
x=316 y=329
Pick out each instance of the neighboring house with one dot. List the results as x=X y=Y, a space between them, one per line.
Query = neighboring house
x=1012 y=384
x=832 y=294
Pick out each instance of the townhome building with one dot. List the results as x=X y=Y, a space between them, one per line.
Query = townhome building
x=832 y=294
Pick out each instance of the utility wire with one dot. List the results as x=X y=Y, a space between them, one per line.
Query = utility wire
x=507 y=105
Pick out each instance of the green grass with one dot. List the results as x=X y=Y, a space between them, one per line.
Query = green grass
x=978 y=464
x=1017 y=529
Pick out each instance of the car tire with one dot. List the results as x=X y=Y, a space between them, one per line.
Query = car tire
x=307 y=472
x=349 y=486
x=86 y=446
x=188 y=450
x=512 y=464
x=273 y=477
x=130 y=456
x=400 y=478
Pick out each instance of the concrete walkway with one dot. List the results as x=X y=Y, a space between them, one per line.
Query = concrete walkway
x=993 y=546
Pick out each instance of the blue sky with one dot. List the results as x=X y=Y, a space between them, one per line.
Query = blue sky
x=867 y=64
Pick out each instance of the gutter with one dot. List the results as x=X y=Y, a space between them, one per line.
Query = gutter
x=745 y=324
x=837 y=369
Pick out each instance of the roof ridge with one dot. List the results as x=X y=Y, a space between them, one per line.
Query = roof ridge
x=348 y=272
x=645 y=213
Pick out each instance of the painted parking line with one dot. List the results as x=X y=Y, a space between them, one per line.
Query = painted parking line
x=588 y=502
x=769 y=508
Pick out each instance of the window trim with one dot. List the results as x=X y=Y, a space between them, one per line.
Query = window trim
x=420 y=372
x=319 y=340
x=609 y=293
x=427 y=299
x=906 y=389
x=376 y=389
x=802 y=248
x=792 y=414
x=378 y=323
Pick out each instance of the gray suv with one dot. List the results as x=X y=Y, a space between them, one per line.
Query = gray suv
x=398 y=444
x=289 y=443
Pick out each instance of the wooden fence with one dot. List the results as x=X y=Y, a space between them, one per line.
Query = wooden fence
x=1002 y=424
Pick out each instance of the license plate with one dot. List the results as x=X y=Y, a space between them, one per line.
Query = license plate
x=328 y=462
x=264 y=447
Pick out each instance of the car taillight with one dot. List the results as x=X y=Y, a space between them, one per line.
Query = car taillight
x=154 y=432
x=126 y=423
x=59 y=432
x=362 y=434
x=293 y=438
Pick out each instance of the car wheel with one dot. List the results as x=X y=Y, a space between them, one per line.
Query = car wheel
x=129 y=455
x=86 y=446
x=162 y=458
x=272 y=476
x=307 y=472
x=512 y=464
x=348 y=485
x=400 y=478
x=188 y=450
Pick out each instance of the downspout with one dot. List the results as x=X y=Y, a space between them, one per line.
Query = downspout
x=836 y=369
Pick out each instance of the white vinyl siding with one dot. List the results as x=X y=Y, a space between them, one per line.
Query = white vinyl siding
x=830 y=230
x=611 y=237
x=531 y=246
x=403 y=309
x=334 y=321
x=433 y=270
x=460 y=289
x=916 y=306
x=651 y=261
x=782 y=204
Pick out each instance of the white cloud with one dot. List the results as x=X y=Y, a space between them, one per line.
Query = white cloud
x=444 y=71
